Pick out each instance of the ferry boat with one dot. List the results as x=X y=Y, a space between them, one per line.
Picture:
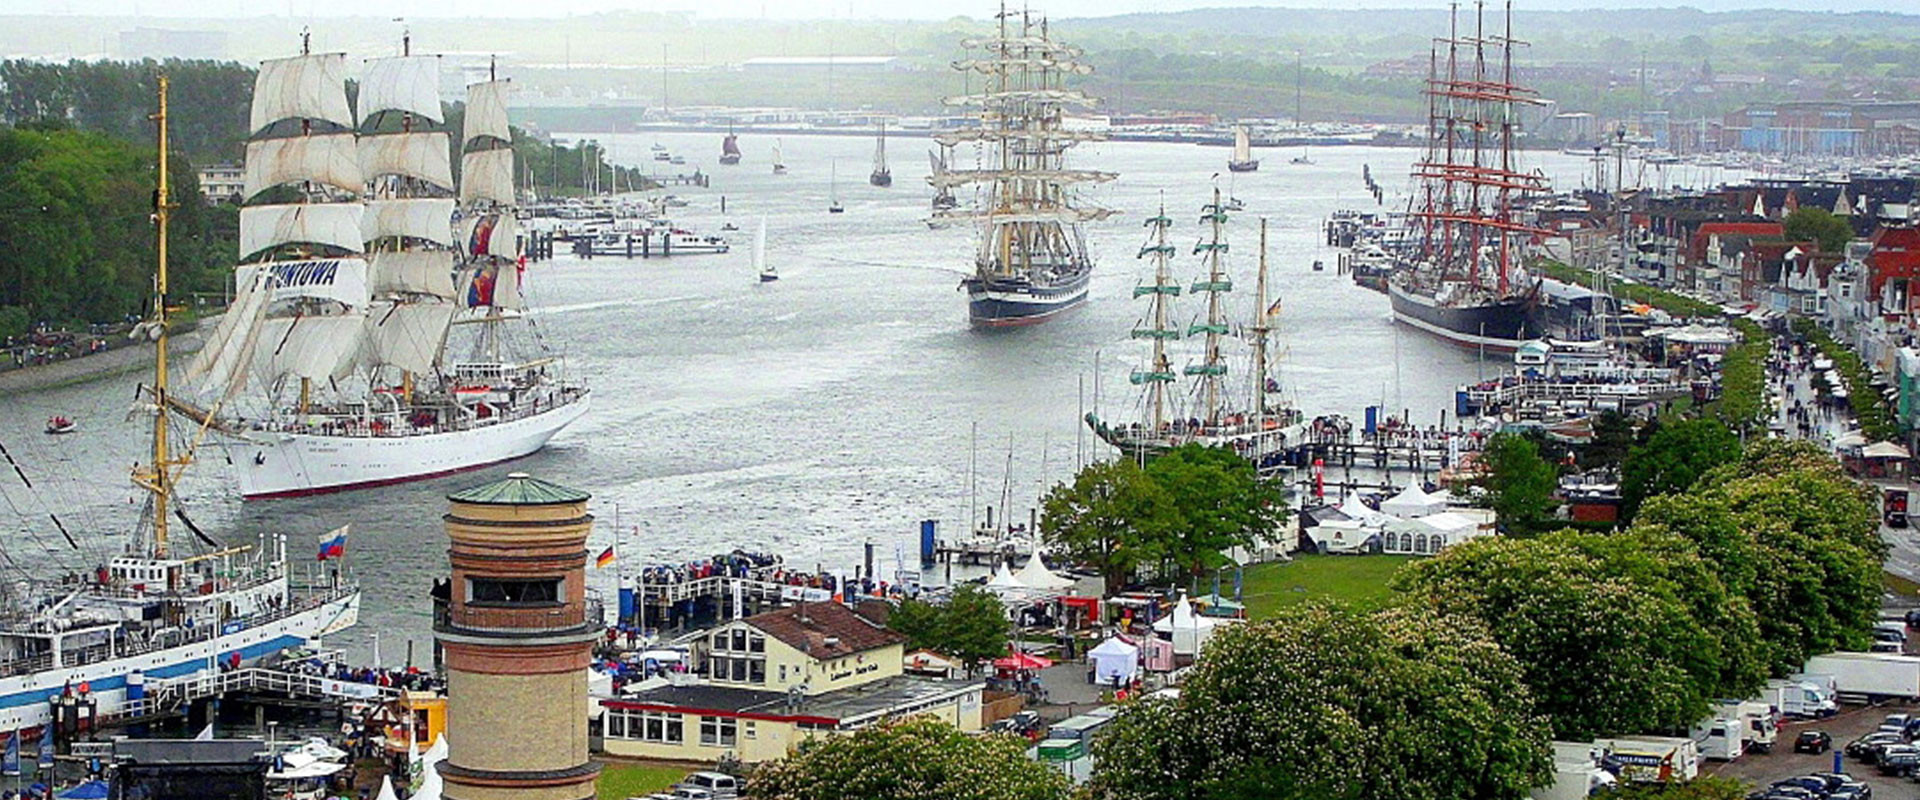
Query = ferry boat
x=151 y=616
x=351 y=307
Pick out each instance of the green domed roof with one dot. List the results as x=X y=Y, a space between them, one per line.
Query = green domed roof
x=519 y=489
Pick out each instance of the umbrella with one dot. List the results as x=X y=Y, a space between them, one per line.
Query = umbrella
x=1022 y=661
x=91 y=790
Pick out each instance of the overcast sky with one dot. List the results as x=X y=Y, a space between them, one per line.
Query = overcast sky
x=806 y=9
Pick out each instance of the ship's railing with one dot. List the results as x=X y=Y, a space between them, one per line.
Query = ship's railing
x=394 y=424
x=174 y=637
x=590 y=614
x=165 y=696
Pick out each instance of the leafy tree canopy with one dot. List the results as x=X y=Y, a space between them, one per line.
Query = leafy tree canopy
x=1519 y=482
x=971 y=626
x=1810 y=224
x=1670 y=461
x=910 y=759
x=1326 y=701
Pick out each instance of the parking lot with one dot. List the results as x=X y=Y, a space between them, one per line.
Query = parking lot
x=1852 y=723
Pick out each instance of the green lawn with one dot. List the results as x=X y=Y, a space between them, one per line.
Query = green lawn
x=1356 y=579
x=621 y=781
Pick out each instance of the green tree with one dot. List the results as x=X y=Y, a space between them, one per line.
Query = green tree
x=970 y=626
x=1607 y=627
x=1791 y=532
x=1113 y=516
x=1519 y=483
x=1326 y=701
x=1703 y=788
x=1675 y=457
x=911 y=759
x=1612 y=438
x=1811 y=224
x=1221 y=501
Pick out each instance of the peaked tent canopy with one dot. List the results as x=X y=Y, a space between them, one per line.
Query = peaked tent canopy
x=1036 y=575
x=1003 y=578
x=1412 y=502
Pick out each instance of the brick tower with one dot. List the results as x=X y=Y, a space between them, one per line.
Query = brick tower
x=517 y=631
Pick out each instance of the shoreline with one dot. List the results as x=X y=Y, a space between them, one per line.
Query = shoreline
x=117 y=361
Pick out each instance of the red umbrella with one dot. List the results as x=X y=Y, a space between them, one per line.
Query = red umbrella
x=1021 y=661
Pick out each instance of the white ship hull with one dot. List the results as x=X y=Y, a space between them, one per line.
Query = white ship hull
x=23 y=698
x=273 y=464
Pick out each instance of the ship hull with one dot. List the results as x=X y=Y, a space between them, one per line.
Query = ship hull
x=1499 y=327
x=23 y=698
x=1011 y=304
x=293 y=465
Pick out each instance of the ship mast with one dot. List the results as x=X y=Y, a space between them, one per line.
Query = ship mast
x=1260 y=329
x=1160 y=373
x=154 y=477
x=1214 y=369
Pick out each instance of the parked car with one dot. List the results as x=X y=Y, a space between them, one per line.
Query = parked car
x=1913 y=618
x=1813 y=785
x=1899 y=759
x=1796 y=792
x=1840 y=783
x=1895 y=723
x=1862 y=747
x=719 y=785
x=1886 y=647
x=1812 y=742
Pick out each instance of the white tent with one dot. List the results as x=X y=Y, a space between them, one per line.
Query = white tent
x=1341 y=536
x=1114 y=658
x=386 y=789
x=1885 y=450
x=1003 y=579
x=1361 y=515
x=1413 y=502
x=1036 y=575
x=1188 y=630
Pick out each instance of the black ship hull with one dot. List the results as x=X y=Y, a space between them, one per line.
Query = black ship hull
x=1500 y=326
x=1016 y=301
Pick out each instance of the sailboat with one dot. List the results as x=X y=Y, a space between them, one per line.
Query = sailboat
x=1261 y=431
x=943 y=199
x=1299 y=120
x=1031 y=261
x=779 y=165
x=730 y=148
x=767 y=273
x=154 y=611
x=347 y=303
x=881 y=175
x=1242 y=160
x=833 y=188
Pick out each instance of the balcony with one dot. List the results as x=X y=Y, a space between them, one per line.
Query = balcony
x=521 y=621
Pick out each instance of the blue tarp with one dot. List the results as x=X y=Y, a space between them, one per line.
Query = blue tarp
x=91 y=790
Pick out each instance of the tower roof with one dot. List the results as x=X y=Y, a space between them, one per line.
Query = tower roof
x=519 y=489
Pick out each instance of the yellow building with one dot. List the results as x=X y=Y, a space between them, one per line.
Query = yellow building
x=774 y=679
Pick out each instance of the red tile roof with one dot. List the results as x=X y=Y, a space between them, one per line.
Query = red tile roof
x=808 y=626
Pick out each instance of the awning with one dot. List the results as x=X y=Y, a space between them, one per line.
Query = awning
x=1885 y=450
x=1027 y=661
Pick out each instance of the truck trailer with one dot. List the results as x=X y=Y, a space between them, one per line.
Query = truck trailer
x=1870 y=676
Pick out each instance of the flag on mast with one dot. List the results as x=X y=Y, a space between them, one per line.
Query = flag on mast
x=333 y=543
x=605 y=558
x=10 y=766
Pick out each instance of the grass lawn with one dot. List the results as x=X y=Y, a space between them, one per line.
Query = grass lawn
x=1900 y=586
x=1361 y=580
x=621 y=781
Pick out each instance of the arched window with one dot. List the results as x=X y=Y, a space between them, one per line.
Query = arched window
x=1420 y=543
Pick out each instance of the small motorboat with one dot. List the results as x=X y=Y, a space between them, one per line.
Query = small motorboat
x=1319 y=266
x=57 y=425
x=729 y=227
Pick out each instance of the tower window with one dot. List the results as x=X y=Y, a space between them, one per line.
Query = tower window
x=514 y=592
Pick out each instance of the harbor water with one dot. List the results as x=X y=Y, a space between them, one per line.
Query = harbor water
x=834 y=407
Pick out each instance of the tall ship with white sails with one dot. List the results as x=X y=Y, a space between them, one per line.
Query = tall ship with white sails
x=1031 y=262
x=371 y=340
x=154 y=616
x=1459 y=275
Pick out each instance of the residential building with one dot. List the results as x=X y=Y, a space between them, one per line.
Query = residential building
x=775 y=679
x=223 y=183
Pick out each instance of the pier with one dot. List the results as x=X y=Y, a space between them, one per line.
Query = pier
x=696 y=178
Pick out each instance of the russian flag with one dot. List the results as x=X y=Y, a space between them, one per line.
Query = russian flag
x=333 y=543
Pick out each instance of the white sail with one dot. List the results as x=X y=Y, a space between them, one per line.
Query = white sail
x=340 y=280
x=486 y=114
x=487 y=176
x=506 y=290
x=330 y=224
x=496 y=235
x=423 y=155
x=316 y=347
x=402 y=83
x=408 y=335
x=220 y=366
x=1242 y=146
x=428 y=218
x=760 y=246
x=427 y=272
x=331 y=159
x=311 y=86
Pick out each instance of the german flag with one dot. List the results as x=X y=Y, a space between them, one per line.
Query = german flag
x=605 y=558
